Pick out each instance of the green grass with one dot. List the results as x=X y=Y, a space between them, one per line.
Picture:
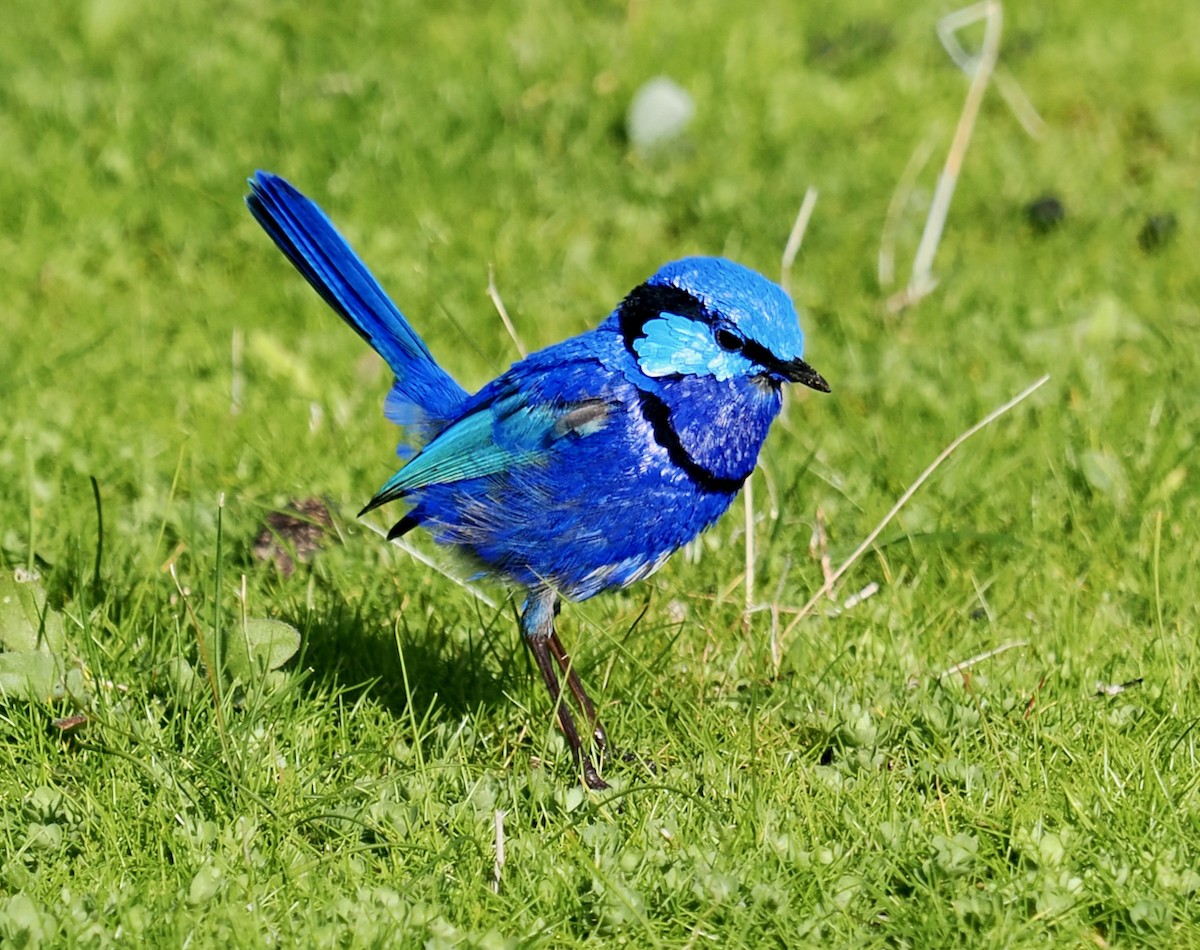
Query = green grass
x=854 y=799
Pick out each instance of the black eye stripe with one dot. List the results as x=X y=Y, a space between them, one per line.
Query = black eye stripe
x=759 y=354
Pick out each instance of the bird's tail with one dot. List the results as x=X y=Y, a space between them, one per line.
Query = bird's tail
x=424 y=397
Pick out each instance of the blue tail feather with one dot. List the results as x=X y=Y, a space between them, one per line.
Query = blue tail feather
x=424 y=397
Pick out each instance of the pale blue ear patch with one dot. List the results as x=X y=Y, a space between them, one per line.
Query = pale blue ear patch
x=680 y=346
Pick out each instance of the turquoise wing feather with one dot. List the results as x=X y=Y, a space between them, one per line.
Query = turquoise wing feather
x=495 y=438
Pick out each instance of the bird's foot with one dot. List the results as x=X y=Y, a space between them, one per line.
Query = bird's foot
x=591 y=778
x=605 y=755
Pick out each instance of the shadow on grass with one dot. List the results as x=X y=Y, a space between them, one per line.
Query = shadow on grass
x=420 y=650
x=449 y=665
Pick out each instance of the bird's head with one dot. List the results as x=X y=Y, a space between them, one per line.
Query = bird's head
x=707 y=316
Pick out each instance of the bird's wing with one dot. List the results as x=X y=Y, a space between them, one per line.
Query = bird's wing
x=495 y=438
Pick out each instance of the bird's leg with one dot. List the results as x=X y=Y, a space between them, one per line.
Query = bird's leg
x=586 y=706
x=537 y=627
x=566 y=720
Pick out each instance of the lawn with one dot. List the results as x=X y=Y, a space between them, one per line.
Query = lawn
x=998 y=748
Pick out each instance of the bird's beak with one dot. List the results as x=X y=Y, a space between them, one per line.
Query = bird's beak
x=798 y=371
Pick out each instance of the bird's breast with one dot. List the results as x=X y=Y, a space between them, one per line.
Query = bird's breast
x=712 y=429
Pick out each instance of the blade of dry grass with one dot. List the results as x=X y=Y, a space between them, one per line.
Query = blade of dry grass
x=908 y=493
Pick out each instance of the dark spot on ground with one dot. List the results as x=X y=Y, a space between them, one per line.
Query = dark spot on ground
x=293 y=534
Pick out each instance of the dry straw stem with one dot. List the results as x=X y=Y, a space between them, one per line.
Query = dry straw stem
x=796 y=238
x=964 y=665
x=908 y=493
x=981 y=69
x=1010 y=90
x=498 y=845
x=922 y=280
x=891 y=221
x=494 y=295
x=818 y=545
x=790 y=250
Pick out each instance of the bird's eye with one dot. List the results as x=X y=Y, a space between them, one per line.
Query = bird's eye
x=729 y=341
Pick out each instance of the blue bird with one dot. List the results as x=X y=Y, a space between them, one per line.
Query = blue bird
x=585 y=465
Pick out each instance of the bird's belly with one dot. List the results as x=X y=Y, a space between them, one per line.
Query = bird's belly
x=597 y=517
